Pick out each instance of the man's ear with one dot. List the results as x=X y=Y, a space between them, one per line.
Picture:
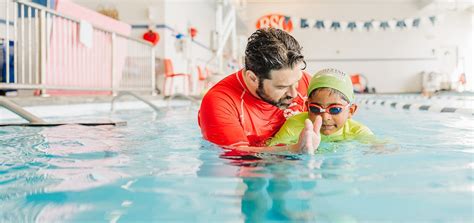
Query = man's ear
x=251 y=76
x=352 y=110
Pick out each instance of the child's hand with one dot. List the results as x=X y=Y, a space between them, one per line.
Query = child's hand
x=310 y=137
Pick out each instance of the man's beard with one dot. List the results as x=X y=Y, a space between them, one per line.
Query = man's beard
x=264 y=96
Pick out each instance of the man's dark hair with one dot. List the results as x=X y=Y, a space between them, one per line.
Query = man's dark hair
x=271 y=49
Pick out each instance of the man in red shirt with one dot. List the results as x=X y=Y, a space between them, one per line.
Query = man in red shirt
x=248 y=107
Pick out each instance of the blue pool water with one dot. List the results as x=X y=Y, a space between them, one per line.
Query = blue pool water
x=157 y=168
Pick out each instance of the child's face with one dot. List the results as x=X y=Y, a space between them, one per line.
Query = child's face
x=331 y=122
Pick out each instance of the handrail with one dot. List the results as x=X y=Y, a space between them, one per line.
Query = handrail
x=124 y=93
x=20 y=111
x=191 y=99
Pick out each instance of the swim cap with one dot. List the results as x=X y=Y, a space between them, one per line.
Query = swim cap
x=335 y=79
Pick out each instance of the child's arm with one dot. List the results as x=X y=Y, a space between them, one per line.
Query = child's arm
x=290 y=131
x=308 y=142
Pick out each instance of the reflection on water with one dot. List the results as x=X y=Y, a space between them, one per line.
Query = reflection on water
x=55 y=160
x=157 y=168
x=82 y=162
x=277 y=190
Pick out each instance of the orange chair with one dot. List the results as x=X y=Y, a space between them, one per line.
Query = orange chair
x=170 y=75
x=209 y=84
x=201 y=75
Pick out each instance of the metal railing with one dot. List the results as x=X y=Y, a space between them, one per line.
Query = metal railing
x=126 y=93
x=49 y=54
x=20 y=111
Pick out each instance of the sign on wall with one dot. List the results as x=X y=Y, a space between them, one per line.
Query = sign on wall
x=276 y=21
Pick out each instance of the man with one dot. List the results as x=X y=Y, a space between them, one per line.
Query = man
x=248 y=107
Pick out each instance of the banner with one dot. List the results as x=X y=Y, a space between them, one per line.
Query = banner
x=287 y=23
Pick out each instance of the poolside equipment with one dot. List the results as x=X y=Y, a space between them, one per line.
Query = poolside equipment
x=125 y=93
x=152 y=37
x=193 y=32
x=360 y=82
x=3 y=62
x=170 y=75
x=20 y=111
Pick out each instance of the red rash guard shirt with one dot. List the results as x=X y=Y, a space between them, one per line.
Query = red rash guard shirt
x=231 y=116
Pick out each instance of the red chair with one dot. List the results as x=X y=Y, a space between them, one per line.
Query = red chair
x=201 y=75
x=170 y=75
x=203 y=78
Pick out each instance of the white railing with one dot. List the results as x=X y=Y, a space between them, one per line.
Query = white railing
x=49 y=56
x=225 y=29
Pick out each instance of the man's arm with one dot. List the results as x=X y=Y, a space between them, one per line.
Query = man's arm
x=220 y=122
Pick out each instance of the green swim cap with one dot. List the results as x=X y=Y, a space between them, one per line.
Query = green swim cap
x=335 y=79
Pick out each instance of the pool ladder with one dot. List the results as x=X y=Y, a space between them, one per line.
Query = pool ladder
x=157 y=109
x=34 y=121
x=20 y=111
x=125 y=93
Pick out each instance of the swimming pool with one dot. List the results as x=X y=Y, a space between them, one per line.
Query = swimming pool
x=157 y=168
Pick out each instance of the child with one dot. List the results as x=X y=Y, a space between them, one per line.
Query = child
x=331 y=96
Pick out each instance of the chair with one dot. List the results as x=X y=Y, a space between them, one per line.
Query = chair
x=170 y=75
x=203 y=77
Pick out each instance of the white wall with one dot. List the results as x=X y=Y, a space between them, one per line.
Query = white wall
x=392 y=60
x=182 y=14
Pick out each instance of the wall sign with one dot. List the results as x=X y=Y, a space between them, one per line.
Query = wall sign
x=276 y=21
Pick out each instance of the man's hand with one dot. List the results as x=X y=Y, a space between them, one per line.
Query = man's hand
x=310 y=137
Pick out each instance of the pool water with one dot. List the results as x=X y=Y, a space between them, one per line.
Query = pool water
x=158 y=168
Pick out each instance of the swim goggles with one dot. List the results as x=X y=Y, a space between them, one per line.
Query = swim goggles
x=331 y=109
